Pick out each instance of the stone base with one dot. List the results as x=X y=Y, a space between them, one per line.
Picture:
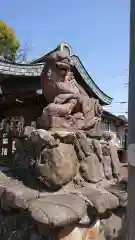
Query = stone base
x=66 y=181
x=30 y=214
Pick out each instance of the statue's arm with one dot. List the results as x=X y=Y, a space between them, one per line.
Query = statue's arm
x=62 y=98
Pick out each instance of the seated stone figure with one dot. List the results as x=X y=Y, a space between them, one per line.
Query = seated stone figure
x=69 y=106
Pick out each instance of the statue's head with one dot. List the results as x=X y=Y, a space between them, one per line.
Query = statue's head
x=57 y=69
x=57 y=66
x=61 y=60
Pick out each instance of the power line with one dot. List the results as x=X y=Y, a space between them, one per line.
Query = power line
x=121 y=73
x=119 y=112
x=122 y=102
x=114 y=106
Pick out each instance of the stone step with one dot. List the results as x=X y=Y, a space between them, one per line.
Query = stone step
x=101 y=199
x=17 y=196
x=58 y=210
x=13 y=194
x=61 y=210
x=120 y=193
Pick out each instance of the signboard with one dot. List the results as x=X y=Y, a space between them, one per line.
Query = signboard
x=12 y=125
x=10 y=129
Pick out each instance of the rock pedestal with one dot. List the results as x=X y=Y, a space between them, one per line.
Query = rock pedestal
x=72 y=168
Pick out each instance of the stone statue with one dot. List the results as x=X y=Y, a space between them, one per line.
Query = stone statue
x=69 y=106
x=68 y=167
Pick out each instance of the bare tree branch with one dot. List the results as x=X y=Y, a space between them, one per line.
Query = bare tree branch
x=22 y=54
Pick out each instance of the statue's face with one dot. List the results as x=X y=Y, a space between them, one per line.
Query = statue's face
x=56 y=75
x=62 y=72
x=57 y=69
x=62 y=67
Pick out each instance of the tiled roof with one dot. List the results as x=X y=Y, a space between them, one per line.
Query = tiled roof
x=35 y=68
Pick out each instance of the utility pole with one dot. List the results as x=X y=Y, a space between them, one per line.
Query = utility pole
x=131 y=128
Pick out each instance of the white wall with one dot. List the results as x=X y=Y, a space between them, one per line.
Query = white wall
x=110 y=125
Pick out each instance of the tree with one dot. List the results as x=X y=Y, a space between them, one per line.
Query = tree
x=9 y=44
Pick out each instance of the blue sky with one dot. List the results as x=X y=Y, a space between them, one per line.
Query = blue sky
x=98 y=32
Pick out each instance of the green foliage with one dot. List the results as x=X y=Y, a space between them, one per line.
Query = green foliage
x=9 y=44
